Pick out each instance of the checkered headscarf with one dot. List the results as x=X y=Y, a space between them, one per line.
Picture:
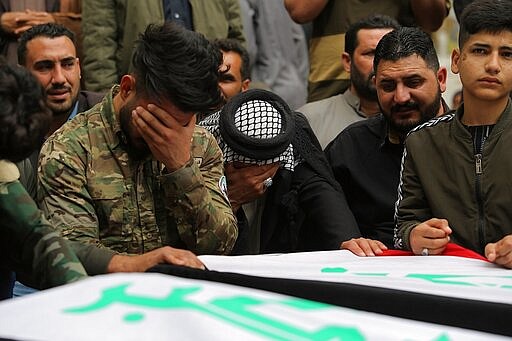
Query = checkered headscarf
x=254 y=127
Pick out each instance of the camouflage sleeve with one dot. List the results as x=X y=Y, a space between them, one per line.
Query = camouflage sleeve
x=197 y=199
x=62 y=191
x=29 y=245
x=94 y=259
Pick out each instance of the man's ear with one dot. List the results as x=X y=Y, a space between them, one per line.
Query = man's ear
x=79 y=69
x=245 y=84
x=127 y=86
x=346 y=61
x=455 y=60
x=442 y=76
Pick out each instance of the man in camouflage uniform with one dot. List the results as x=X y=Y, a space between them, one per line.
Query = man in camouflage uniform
x=134 y=172
x=28 y=244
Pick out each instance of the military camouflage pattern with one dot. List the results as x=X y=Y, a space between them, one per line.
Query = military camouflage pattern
x=29 y=245
x=96 y=192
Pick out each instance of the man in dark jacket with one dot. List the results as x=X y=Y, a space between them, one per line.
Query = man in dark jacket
x=365 y=157
x=455 y=179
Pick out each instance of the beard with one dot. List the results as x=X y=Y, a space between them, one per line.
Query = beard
x=363 y=84
x=403 y=126
x=137 y=147
x=62 y=107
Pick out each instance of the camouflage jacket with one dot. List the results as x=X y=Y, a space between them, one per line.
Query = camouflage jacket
x=29 y=245
x=95 y=191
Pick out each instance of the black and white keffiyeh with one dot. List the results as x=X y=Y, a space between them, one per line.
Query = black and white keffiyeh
x=254 y=127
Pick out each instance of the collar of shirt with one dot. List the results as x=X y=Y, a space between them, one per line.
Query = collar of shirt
x=74 y=111
x=354 y=102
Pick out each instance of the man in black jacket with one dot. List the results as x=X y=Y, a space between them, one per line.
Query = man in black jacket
x=365 y=157
x=297 y=205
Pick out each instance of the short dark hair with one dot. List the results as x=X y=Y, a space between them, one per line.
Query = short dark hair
x=177 y=64
x=24 y=118
x=404 y=42
x=491 y=16
x=232 y=45
x=44 y=30
x=371 y=22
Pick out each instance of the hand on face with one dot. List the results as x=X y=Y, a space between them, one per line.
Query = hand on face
x=245 y=184
x=433 y=235
x=500 y=252
x=168 y=140
x=363 y=247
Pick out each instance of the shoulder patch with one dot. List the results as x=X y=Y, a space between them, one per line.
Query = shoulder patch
x=8 y=171
x=223 y=186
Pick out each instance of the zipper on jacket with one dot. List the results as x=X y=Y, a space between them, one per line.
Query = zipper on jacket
x=479 y=200
x=478 y=164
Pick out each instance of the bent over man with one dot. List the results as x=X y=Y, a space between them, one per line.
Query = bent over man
x=134 y=172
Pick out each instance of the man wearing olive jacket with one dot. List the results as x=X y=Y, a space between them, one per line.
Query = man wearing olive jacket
x=111 y=27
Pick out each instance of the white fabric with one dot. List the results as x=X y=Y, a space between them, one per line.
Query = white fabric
x=155 y=307
x=437 y=275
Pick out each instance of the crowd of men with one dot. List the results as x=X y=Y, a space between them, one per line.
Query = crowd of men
x=181 y=157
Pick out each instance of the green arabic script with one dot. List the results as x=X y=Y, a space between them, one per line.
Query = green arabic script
x=235 y=311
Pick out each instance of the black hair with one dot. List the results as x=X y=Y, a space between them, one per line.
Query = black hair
x=24 y=118
x=375 y=21
x=404 y=42
x=49 y=30
x=232 y=45
x=179 y=65
x=491 y=16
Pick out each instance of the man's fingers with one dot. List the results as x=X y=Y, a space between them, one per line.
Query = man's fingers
x=441 y=224
x=378 y=247
x=147 y=125
x=163 y=116
x=364 y=247
x=490 y=252
x=437 y=243
x=271 y=170
x=436 y=251
x=192 y=262
x=503 y=257
x=166 y=118
x=353 y=247
x=182 y=257
x=434 y=233
x=254 y=171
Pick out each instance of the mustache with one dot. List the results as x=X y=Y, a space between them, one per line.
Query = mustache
x=405 y=107
x=58 y=87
